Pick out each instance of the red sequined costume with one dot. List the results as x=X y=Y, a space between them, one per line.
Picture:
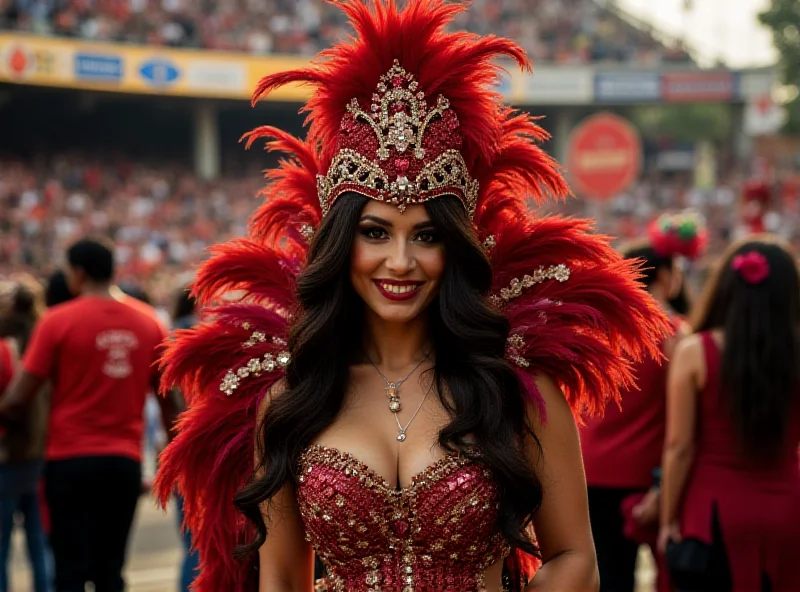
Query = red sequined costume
x=438 y=534
x=403 y=112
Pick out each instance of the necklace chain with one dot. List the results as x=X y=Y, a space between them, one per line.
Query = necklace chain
x=402 y=435
x=393 y=393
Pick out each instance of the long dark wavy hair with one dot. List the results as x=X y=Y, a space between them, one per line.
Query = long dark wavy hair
x=474 y=382
x=761 y=358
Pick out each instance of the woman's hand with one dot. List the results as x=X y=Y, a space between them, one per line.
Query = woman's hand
x=646 y=511
x=667 y=533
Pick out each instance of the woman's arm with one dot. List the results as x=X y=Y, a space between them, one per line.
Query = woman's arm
x=648 y=511
x=684 y=378
x=286 y=560
x=562 y=522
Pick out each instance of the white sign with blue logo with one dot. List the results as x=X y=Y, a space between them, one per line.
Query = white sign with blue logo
x=159 y=72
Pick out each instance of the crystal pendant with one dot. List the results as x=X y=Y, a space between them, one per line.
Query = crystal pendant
x=394 y=405
x=401 y=437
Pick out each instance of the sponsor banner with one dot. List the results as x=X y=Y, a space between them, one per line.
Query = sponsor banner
x=98 y=67
x=216 y=76
x=754 y=84
x=23 y=62
x=161 y=72
x=47 y=61
x=698 y=86
x=627 y=87
x=69 y=63
x=551 y=85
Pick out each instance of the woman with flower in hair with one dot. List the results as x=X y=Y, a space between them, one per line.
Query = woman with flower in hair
x=730 y=517
x=622 y=449
x=410 y=343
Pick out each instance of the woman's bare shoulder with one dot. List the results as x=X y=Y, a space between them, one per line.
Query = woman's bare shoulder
x=689 y=349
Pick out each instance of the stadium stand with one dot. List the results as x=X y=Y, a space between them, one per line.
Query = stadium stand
x=558 y=31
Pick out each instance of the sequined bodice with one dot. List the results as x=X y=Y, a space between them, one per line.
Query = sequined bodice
x=439 y=534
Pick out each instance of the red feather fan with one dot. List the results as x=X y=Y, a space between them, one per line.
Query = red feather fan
x=575 y=308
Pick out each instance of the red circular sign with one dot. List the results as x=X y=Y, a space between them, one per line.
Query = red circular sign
x=604 y=156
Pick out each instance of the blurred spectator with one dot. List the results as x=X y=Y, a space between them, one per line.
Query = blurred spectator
x=100 y=356
x=56 y=289
x=185 y=317
x=22 y=445
x=560 y=31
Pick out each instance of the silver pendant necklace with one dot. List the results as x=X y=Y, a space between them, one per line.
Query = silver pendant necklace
x=393 y=394
x=401 y=437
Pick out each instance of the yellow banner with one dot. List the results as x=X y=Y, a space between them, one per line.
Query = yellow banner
x=46 y=61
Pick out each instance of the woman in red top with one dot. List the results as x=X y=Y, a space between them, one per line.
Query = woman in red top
x=23 y=441
x=622 y=449
x=731 y=492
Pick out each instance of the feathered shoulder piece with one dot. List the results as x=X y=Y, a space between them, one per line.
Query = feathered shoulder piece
x=403 y=112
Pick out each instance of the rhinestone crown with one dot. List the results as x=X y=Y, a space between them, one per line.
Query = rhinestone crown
x=402 y=152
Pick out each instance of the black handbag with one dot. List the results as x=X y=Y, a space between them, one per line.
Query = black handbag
x=688 y=564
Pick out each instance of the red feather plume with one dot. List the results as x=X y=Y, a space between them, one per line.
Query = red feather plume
x=583 y=331
x=211 y=457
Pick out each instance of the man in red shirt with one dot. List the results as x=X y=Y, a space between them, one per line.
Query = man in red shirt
x=100 y=355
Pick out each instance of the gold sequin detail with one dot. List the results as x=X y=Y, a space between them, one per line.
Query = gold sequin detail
x=560 y=273
x=307 y=231
x=514 y=346
x=254 y=367
x=351 y=170
x=257 y=365
x=369 y=534
x=256 y=337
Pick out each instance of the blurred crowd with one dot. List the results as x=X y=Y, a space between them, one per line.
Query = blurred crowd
x=162 y=218
x=561 y=31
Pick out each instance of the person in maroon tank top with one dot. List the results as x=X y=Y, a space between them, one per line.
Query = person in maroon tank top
x=622 y=449
x=730 y=518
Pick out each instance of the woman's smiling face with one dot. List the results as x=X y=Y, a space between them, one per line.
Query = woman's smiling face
x=397 y=261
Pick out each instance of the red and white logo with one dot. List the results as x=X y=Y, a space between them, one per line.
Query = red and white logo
x=604 y=156
x=117 y=345
x=19 y=61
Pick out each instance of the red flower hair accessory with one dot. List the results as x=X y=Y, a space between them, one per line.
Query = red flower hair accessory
x=682 y=233
x=752 y=267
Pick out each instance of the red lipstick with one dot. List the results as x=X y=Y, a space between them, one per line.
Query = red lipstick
x=408 y=289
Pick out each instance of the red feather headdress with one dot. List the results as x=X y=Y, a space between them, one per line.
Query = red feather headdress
x=402 y=112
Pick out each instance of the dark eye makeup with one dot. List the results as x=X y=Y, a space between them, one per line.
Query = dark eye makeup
x=428 y=236
x=373 y=232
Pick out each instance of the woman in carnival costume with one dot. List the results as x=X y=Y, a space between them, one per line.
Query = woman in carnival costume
x=622 y=449
x=410 y=344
